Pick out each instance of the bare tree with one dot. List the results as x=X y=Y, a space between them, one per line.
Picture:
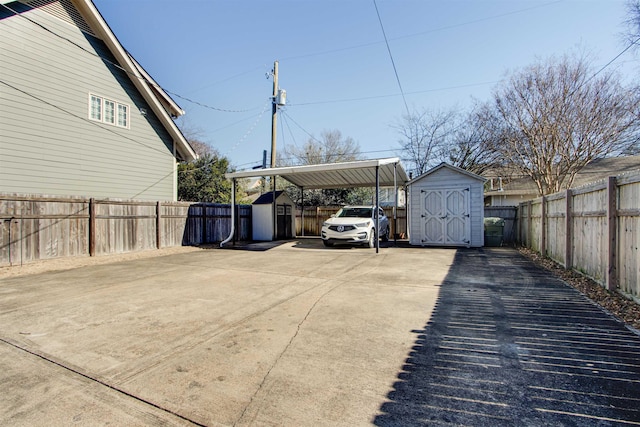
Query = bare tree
x=552 y=118
x=424 y=135
x=469 y=146
x=330 y=148
x=632 y=33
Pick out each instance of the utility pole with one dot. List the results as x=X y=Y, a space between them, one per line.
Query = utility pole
x=274 y=115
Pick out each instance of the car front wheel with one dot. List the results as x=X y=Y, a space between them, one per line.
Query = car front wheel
x=372 y=238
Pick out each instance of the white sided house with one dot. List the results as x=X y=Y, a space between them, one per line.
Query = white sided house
x=78 y=115
x=446 y=208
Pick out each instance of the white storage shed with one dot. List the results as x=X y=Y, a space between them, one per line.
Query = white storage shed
x=446 y=208
x=262 y=217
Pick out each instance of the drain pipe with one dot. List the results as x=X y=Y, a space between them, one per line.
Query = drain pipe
x=233 y=213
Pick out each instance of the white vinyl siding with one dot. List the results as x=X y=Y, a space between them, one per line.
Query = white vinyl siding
x=52 y=142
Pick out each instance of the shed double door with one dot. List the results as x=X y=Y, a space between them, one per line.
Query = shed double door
x=445 y=217
x=284 y=213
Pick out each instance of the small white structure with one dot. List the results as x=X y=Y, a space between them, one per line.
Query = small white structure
x=262 y=217
x=446 y=208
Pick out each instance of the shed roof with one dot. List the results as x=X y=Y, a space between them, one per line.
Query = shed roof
x=448 y=166
x=360 y=173
x=267 y=198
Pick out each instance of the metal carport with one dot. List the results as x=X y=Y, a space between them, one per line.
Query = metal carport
x=387 y=172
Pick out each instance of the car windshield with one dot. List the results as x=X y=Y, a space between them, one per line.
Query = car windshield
x=355 y=213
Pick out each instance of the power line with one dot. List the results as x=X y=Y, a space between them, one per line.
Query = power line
x=228 y=78
x=251 y=128
x=395 y=70
x=303 y=129
x=284 y=119
x=94 y=123
x=367 y=98
x=208 y=106
x=118 y=66
x=476 y=21
x=449 y=27
x=613 y=60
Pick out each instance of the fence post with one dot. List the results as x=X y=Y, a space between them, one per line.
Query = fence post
x=543 y=226
x=611 y=279
x=204 y=223
x=158 y=226
x=530 y=225
x=92 y=227
x=568 y=230
x=236 y=218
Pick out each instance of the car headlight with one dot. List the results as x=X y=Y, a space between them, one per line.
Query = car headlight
x=363 y=224
x=325 y=224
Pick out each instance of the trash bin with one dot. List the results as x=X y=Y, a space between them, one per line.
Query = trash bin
x=493 y=231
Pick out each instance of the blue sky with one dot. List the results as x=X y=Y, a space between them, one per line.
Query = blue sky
x=334 y=63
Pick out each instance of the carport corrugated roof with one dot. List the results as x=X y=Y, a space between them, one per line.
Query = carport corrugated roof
x=360 y=173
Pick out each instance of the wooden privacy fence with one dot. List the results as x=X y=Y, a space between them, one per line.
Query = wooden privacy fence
x=315 y=216
x=39 y=227
x=594 y=229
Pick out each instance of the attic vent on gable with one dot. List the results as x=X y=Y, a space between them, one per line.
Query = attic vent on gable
x=61 y=9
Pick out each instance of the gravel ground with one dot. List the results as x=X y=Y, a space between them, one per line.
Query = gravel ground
x=623 y=308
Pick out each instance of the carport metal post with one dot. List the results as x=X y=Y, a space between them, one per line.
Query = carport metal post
x=302 y=211
x=274 y=209
x=233 y=205
x=377 y=209
x=395 y=204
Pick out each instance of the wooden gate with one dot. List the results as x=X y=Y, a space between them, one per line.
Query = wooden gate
x=445 y=218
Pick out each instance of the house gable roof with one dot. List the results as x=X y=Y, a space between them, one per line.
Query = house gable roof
x=159 y=101
x=445 y=165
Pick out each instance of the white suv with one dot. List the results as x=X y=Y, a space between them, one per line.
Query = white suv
x=355 y=225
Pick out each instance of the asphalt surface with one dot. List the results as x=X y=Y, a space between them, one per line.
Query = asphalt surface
x=507 y=345
x=296 y=334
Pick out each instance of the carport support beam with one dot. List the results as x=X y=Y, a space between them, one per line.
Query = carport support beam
x=275 y=209
x=377 y=209
x=395 y=204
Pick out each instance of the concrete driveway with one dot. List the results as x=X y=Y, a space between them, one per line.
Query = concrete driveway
x=300 y=335
x=296 y=335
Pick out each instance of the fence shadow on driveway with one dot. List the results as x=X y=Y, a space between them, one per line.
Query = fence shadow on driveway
x=509 y=344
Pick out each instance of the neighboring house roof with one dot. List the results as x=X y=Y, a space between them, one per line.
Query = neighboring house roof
x=445 y=165
x=597 y=170
x=161 y=103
